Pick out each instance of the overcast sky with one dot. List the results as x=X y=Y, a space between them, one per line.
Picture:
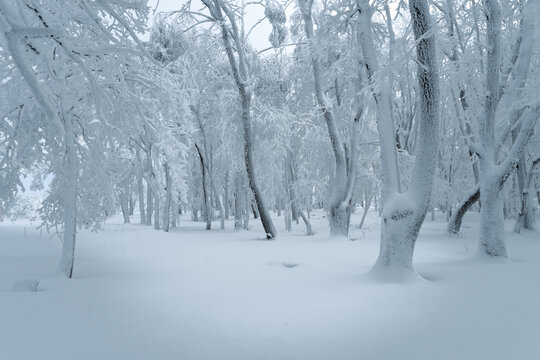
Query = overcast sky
x=258 y=37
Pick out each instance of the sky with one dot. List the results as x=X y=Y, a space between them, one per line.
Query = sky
x=258 y=37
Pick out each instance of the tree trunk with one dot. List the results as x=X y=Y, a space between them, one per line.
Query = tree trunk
x=168 y=198
x=149 y=174
x=140 y=188
x=340 y=195
x=494 y=175
x=238 y=199
x=226 y=195
x=491 y=217
x=124 y=205
x=526 y=216
x=454 y=224
x=156 y=215
x=403 y=214
x=309 y=229
x=206 y=191
x=131 y=205
x=69 y=200
x=367 y=204
x=240 y=70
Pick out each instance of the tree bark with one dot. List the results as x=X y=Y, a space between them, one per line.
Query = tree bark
x=343 y=182
x=140 y=188
x=69 y=200
x=239 y=69
x=156 y=215
x=206 y=190
x=526 y=216
x=168 y=198
x=149 y=174
x=403 y=214
x=454 y=224
x=124 y=205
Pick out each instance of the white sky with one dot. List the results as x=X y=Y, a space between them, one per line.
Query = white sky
x=258 y=37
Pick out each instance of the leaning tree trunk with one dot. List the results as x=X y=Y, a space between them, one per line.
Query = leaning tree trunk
x=239 y=67
x=266 y=221
x=206 y=190
x=69 y=200
x=454 y=224
x=367 y=204
x=403 y=214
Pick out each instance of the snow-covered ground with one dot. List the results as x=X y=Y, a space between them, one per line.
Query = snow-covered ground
x=138 y=293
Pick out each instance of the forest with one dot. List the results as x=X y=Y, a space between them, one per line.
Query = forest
x=237 y=179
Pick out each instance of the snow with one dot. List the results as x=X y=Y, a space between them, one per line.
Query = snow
x=138 y=293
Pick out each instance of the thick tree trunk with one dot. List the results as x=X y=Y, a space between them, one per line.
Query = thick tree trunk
x=403 y=214
x=491 y=217
x=494 y=175
x=69 y=200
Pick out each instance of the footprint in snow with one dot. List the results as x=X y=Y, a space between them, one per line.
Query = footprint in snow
x=288 y=265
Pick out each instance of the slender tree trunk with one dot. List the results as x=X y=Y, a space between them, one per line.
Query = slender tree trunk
x=206 y=191
x=341 y=192
x=124 y=205
x=367 y=204
x=131 y=205
x=194 y=213
x=288 y=220
x=309 y=229
x=238 y=199
x=240 y=70
x=69 y=200
x=168 y=198
x=149 y=174
x=226 y=195
x=156 y=215
x=140 y=188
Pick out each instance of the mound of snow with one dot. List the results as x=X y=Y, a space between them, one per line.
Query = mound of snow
x=25 y=285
